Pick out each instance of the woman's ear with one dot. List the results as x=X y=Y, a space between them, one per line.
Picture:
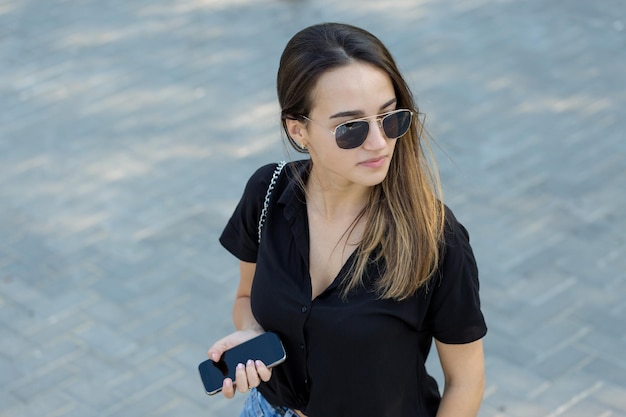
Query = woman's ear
x=296 y=129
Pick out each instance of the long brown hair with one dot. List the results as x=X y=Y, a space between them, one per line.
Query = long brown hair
x=405 y=213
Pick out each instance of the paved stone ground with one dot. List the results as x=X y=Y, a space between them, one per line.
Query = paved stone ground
x=127 y=131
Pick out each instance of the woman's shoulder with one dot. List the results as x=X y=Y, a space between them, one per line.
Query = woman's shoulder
x=457 y=255
x=263 y=173
x=260 y=179
x=263 y=176
x=278 y=172
x=453 y=228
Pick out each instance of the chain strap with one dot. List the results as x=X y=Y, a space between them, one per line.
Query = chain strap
x=266 y=202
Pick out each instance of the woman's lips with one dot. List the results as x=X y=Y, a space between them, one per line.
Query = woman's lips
x=374 y=162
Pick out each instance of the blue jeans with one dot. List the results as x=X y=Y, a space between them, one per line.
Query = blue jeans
x=257 y=406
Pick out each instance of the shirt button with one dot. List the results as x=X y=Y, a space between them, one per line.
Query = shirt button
x=302 y=347
x=304 y=309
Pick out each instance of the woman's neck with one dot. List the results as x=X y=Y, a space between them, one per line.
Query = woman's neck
x=334 y=200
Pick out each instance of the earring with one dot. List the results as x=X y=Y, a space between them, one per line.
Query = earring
x=302 y=145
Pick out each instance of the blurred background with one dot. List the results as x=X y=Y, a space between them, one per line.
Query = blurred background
x=128 y=130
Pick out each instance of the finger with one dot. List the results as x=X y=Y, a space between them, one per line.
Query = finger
x=241 y=379
x=263 y=371
x=227 y=388
x=215 y=352
x=253 y=375
x=214 y=355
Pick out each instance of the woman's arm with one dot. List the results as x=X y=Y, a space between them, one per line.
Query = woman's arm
x=252 y=373
x=242 y=312
x=464 y=372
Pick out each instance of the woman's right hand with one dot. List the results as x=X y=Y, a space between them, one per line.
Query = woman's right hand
x=248 y=375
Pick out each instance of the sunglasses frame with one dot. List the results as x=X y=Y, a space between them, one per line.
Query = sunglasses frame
x=379 y=121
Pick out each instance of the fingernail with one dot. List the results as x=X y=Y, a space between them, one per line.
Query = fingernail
x=240 y=366
x=250 y=362
x=259 y=363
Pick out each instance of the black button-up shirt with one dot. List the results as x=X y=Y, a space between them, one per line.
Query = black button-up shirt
x=360 y=356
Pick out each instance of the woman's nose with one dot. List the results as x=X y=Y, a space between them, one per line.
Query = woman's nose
x=376 y=138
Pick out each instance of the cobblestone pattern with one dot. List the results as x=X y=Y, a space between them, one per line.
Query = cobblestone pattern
x=128 y=129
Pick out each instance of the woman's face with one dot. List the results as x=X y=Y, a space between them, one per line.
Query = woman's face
x=353 y=91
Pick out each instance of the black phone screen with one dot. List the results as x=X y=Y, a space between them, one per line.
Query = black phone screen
x=266 y=347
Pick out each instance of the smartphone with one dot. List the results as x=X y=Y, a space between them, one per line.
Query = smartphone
x=266 y=347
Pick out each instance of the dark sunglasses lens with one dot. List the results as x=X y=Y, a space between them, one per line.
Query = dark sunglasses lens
x=396 y=124
x=352 y=135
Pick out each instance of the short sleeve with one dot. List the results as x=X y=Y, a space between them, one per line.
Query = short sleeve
x=240 y=236
x=454 y=314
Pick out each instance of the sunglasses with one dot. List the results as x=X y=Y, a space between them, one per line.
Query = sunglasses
x=352 y=134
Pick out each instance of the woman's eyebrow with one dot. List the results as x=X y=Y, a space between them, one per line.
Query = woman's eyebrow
x=359 y=113
x=349 y=113
x=389 y=103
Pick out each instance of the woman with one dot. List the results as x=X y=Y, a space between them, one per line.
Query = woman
x=359 y=265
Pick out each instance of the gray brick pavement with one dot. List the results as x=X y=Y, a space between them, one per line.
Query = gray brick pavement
x=127 y=131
